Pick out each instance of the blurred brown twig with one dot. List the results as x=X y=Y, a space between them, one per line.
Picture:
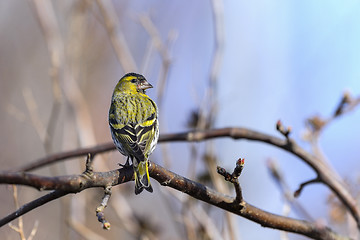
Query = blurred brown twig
x=117 y=38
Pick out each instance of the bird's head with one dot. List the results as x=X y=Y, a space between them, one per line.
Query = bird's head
x=133 y=83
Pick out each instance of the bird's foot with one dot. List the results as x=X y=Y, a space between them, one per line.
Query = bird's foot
x=126 y=165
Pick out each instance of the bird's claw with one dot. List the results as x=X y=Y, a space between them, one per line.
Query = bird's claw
x=126 y=165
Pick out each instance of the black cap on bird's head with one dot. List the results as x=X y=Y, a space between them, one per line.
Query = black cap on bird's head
x=135 y=81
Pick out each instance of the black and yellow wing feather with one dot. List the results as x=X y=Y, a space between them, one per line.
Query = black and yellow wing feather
x=134 y=126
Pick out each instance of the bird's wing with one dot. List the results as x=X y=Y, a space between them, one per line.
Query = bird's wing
x=136 y=138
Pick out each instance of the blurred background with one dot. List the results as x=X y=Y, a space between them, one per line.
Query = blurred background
x=212 y=64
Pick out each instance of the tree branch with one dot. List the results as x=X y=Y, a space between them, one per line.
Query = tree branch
x=325 y=175
x=32 y=205
x=70 y=183
x=62 y=185
x=77 y=183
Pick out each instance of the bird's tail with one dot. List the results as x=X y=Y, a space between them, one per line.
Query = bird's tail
x=142 y=179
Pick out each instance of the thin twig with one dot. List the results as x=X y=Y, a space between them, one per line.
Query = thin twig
x=20 y=228
x=34 y=230
x=89 y=171
x=276 y=173
x=117 y=38
x=302 y=185
x=33 y=112
x=202 y=217
x=164 y=52
x=218 y=15
x=57 y=157
x=284 y=131
x=50 y=28
x=234 y=177
x=125 y=213
x=100 y=209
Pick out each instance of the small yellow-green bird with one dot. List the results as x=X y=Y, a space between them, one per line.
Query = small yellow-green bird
x=134 y=125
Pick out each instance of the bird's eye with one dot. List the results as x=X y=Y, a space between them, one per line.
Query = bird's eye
x=134 y=80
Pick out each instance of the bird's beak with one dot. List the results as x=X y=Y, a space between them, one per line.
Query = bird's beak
x=144 y=85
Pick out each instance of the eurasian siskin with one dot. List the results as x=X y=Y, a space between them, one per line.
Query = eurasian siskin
x=133 y=120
